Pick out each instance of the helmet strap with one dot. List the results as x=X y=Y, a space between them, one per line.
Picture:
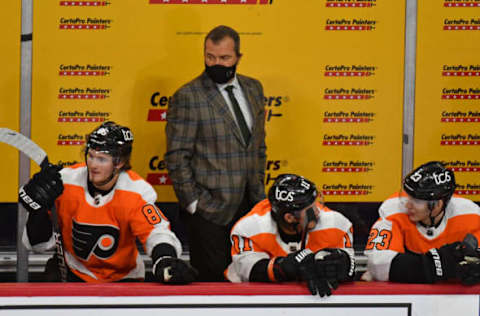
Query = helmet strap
x=431 y=205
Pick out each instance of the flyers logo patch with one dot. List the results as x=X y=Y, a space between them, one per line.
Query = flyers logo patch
x=99 y=240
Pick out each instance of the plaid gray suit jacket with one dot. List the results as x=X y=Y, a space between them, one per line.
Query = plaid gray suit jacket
x=207 y=158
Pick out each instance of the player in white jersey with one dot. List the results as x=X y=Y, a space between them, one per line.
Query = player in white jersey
x=292 y=237
x=424 y=234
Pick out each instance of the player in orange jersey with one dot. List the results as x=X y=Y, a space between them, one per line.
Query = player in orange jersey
x=425 y=234
x=103 y=207
x=291 y=236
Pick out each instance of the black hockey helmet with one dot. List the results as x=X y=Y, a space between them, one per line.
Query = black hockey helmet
x=431 y=182
x=113 y=139
x=291 y=193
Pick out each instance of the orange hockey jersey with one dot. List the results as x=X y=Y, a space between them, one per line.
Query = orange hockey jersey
x=394 y=233
x=99 y=233
x=255 y=237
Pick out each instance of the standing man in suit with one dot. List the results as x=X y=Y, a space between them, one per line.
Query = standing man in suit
x=216 y=151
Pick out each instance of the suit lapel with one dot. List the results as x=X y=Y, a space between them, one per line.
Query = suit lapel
x=217 y=101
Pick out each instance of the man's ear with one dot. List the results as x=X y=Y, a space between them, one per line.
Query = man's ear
x=120 y=165
x=438 y=206
x=289 y=218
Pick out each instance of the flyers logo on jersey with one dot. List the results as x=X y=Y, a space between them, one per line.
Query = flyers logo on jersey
x=99 y=240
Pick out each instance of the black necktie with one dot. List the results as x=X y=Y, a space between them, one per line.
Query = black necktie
x=238 y=113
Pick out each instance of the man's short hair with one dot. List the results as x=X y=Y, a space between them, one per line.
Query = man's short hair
x=220 y=32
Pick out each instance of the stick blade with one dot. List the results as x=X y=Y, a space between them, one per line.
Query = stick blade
x=24 y=144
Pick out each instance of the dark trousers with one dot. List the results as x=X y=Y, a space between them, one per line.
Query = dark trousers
x=210 y=247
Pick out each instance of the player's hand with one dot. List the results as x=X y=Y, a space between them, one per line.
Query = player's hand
x=174 y=271
x=287 y=267
x=335 y=265
x=444 y=261
x=300 y=265
x=308 y=273
x=42 y=190
x=469 y=267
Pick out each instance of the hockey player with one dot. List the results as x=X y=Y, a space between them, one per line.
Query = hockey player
x=292 y=237
x=103 y=207
x=425 y=235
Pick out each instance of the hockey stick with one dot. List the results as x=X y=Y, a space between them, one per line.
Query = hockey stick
x=37 y=154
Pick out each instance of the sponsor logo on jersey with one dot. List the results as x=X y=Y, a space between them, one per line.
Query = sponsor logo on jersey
x=98 y=240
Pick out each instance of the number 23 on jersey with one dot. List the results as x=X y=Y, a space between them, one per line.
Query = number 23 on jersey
x=380 y=240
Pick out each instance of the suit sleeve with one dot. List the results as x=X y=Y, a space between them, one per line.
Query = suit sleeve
x=181 y=131
x=262 y=151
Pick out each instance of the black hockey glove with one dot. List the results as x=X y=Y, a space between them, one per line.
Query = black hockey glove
x=300 y=265
x=335 y=265
x=286 y=268
x=443 y=262
x=469 y=267
x=42 y=190
x=174 y=271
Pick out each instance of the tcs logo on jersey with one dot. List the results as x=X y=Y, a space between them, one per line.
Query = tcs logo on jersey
x=99 y=240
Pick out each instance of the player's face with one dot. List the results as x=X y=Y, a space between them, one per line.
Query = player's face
x=300 y=219
x=100 y=166
x=221 y=53
x=417 y=210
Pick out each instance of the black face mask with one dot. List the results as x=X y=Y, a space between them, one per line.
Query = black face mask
x=220 y=74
